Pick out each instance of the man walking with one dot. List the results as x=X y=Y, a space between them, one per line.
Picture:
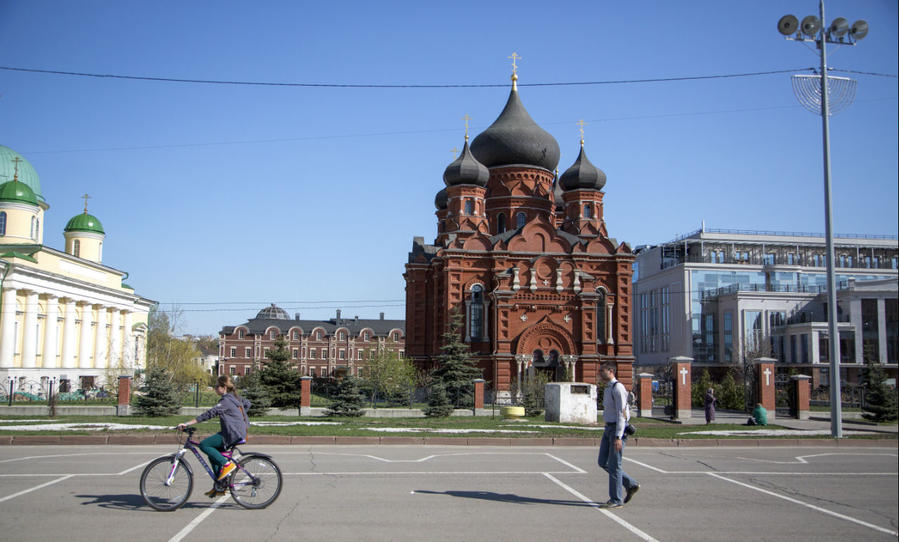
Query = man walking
x=615 y=413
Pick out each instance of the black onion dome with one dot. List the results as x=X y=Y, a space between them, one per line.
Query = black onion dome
x=514 y=138
x=582 y=175
x=557 y=193
x=440 y=200
x=466 y=170
x=272 y=312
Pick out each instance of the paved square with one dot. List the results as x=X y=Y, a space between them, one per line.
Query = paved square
x=465 y=493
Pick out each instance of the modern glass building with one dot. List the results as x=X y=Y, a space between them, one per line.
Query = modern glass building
x=725 y=296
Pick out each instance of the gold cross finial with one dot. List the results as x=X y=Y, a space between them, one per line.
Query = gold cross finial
x=455 y=152
x=16 y=160
x=514 y=58
x=466 y=118
x=85 y=198
x=581 y=125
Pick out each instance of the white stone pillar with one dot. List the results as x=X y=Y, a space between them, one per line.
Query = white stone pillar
x=51 y=332
x=84 y=348
x=68 y=335
x=610 y=326
x=115 y=355
x=29 y=333
x=101 y=340
x=128 y=355
x=8 y=328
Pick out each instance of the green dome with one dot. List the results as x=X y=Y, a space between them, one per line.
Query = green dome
x=16 y=191
x=84 y=222
x=27 y=174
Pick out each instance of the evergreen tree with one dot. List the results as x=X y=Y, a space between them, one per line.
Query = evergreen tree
x=880 y=399
x=535 y=394
x=700 y=387
x=439 y=405
x=730 y=395
x=348 y=401
x=252 y=388
x=280 y=380
x=160 y=398
x=456 y=370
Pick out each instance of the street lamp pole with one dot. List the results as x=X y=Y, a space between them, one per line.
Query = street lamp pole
x=814 y=31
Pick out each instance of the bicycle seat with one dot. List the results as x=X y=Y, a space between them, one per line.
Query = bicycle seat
x=236 y=444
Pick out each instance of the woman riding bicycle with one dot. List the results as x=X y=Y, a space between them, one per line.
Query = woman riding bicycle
x=232 y=413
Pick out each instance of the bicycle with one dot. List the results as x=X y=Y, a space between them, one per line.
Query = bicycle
x=166 y=483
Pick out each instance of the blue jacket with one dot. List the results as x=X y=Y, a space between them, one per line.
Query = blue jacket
x=234 y=423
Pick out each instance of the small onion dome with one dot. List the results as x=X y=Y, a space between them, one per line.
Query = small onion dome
x=16 y=191
x=466 y=170
x=514 y=138
x=558 y=200
x=582 y=175
x=272 y=312
x=84 y=222
x=440 y=200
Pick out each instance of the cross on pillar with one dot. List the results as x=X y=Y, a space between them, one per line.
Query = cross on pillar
x=683 y=375
x=767 y=373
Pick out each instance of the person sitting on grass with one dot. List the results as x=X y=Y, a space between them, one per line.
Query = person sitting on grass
x=232 y=413
x=759 y=416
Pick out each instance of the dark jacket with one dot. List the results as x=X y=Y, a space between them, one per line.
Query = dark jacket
x=234 y=423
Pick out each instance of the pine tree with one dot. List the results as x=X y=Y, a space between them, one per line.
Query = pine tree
x=438 y=404
x=700 y=387
x=161 y=398
x=730 y=395
x=456 y=371
x=255 y=392
x=280 y=380
x=535 y=394
x=880 y=399
x=348 y=401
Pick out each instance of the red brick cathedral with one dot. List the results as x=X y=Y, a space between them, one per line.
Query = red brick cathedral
x=526 y=257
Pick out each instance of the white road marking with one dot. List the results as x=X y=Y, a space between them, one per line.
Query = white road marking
x=50 y=483
x=126 y=471
x=642 y=464
x=807 y=505
x=567 y=464
x=592 y=503
x=197 y=520
x=68 y=455
x=416 y=472
x=800 y=459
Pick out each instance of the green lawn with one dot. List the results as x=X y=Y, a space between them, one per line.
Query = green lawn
x=482 y=426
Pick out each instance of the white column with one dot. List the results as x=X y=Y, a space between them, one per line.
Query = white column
x=29 y=333
x=48 y=361
x=100 y=342
x=609 y=326
x=128 y=359
x=115 y=355
x=68 y=335
x=8 y=328
x=84 y=350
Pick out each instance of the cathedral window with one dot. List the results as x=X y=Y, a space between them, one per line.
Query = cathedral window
x=601 y=317
x=476 y=312
x=500 y=223
x=520 y=219
x=469 y=207
x=3 y=223
x=588 y=210
x=76 y=248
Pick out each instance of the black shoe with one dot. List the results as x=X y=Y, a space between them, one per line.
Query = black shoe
x=631 y=491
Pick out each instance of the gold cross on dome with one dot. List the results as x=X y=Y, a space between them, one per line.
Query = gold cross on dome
x=16 y=160
x=466 y=118
x=514 y=57
x=85 y=198
x=581 y=125
x=455 y=152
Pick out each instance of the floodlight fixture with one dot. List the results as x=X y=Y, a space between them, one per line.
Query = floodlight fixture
x=810 y=26
x=788 y=25
x=838 y=28
x=859 y=29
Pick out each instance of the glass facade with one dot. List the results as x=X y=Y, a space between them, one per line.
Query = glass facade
x=891 y=310
x=870 y=341
x=655 y=318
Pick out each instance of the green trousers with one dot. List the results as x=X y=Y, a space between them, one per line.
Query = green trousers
x=213 y=446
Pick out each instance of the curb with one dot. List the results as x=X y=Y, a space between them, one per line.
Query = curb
x=638 y=442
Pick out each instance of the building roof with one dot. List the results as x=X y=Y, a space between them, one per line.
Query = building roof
x=515 y=139
x=84 y=222
x=440 y=199
x=272 y=312
x=466 y=170
x=18 y=192
x=380 y=326
x=582 y=175
x=26 y=172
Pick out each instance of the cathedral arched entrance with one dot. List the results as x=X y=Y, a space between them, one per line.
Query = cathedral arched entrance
x=545 y=349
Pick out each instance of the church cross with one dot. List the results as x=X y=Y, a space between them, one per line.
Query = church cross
x=514 y=57
x=16 y=174
x=683 y=374
x=455 y=152
x=767 y=373
x=581 y=125
x=85 y=198
x=466 y=118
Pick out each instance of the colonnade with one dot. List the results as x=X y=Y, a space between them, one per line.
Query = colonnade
x=85 y=342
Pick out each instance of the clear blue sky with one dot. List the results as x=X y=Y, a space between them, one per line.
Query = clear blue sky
x=310 y=197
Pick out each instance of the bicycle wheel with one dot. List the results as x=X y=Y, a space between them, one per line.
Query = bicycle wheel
x=256 y=483
x=158 y=491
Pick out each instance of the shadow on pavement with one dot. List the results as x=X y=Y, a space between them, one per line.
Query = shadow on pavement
x=134 y=502
x=502 y=497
